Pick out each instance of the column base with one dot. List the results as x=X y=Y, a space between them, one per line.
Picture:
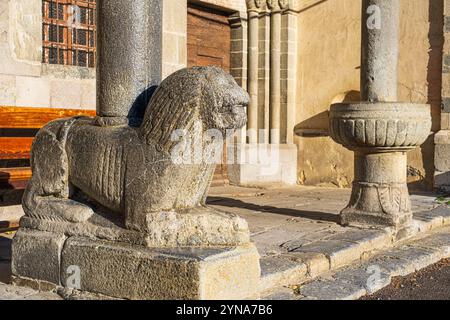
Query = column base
x=380 y=196
x=263 y=164
x=133 y=272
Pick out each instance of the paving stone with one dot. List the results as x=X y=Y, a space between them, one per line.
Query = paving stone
x=391 y=265
x=317 y=263
x=340 y=253
x=42 y=296
x=440 y=242
x=369 y=277
x=347 y=284
x=280 y=271
x=331 y=290
x=321 y=234
x=282 y=294
x=271 y=242
x=369 y=240
x=404 y=260
x=426 y=225
x=9 y=292
x=444 y=212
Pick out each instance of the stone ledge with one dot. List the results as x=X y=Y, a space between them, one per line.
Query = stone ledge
x=45 y=261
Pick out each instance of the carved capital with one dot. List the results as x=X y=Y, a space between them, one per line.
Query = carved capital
x=274 y=5
x=284 y=4
x=254 y=5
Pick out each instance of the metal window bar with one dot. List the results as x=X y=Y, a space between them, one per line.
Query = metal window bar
x=64 y=43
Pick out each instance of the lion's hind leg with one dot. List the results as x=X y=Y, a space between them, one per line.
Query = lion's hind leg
x=47 y=193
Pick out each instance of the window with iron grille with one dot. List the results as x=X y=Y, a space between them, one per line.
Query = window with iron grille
x=69 y=36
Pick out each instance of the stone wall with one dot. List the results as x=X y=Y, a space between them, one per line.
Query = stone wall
x=24 y=80
x=442 y=139
x=329 y=70
x=174 y=50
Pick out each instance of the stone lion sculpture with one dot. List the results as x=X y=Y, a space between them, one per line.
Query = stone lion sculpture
x=130 y=172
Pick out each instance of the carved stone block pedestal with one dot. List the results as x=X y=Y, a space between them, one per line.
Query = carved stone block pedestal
x=44 y=260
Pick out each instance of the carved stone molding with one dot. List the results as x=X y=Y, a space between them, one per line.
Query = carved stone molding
x=383 y=126
x=387 y=205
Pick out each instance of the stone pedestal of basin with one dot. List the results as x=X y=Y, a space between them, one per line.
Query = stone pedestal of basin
x=380 y=134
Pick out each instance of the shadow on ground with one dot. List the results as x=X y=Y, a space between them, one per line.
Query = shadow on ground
x=235 y=203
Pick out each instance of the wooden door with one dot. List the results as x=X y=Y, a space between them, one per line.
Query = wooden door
x=208 y=43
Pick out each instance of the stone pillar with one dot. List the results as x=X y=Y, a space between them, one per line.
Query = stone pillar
x=264 y=75
x=379 y=54
x=253 y=43
x=239 y=58
x=442 y=138
x=275 y=71
x=129 y=57
x=289 y=56
x=380 y=130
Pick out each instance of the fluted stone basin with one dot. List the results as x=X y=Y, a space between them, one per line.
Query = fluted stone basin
x=380 y=134
x=381 y=126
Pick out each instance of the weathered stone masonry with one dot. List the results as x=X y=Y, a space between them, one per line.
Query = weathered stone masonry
x=442 y=138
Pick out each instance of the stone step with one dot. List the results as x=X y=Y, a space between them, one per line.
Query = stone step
x=309 y=260
x=374 y=273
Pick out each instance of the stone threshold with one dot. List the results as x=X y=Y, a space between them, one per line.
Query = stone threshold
x=374 y=270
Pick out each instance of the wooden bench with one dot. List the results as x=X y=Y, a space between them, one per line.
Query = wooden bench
x=18 y=126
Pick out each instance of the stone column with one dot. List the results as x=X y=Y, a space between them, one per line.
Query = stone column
x=264 y=75
x=239 y=58
x=253 y=43
x=442 y=138
x=129 y=57
x=380 y=130
x=289 y=56
x=379 y=54
x=275 y=70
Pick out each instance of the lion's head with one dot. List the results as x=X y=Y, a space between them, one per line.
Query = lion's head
x=205 y=94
